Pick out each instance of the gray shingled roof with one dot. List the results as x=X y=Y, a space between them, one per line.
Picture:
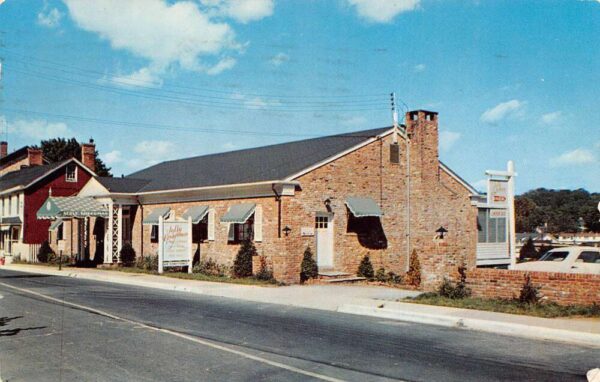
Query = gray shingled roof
x=126 y=185
x=275 y=162
x=26 y=175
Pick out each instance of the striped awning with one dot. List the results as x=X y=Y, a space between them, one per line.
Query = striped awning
x=363 y=207
x=239 y=213
x=197 y=213
x=55 y=224
x=71 y=207
x=156 y=213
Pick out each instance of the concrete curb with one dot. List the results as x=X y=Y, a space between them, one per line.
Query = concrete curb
x=498 y=327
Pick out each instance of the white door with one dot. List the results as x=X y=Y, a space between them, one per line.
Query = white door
x=324 y=236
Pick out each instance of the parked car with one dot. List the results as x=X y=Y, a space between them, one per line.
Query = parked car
x=567 y=260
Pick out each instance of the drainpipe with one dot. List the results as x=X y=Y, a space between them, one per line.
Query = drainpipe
x=141 y=213
x=407 y=202
x=278 y=199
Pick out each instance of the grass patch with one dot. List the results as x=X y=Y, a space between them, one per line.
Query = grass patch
x=545 y=309
x=200 y=277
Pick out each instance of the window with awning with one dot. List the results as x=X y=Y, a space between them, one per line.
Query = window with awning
x=363 y=207
x=155 y=214
x=245 y=222
x=197 y=213
x=201 y=221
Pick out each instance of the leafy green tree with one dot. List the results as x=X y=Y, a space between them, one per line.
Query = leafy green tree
x=308 y=268
x=59 y=149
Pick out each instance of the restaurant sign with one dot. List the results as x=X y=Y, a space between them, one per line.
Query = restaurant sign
x=175 y=246
x=498 y=192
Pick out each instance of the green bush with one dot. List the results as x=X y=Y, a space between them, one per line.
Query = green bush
x=413 y=276
x=264 y=273
x=393 y=278
x=530 y=294
x=458 y=291
x=148 y=263
x=381 y=276
x=308 y=268
x=242 y=265
x=211 y=268
x=127 y=254
x=365 y=268
x=45 y=252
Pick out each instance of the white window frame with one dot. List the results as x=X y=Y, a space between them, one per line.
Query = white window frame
x=71 y=179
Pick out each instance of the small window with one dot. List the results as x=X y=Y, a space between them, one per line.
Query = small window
x=200 y=231
x=71 y=173
x=154 y=234
x=321 y=222
x=60 y=233
x=592 y=257
x=244 y=231
x=394 y=153
x=15 y=234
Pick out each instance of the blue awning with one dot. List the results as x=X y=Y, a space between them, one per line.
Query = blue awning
x=363 y=207
x=155 y=214
x=197 y=213
x=239 y=213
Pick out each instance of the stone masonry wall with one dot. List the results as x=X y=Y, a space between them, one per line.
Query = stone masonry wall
x=562 y=288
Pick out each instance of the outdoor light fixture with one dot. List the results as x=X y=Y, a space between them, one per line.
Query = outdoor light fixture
x=440 y=232
x=287 y=230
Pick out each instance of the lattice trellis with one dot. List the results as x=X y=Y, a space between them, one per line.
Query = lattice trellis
x=114 y=237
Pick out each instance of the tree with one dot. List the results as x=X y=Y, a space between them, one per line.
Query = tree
x=413 y=276
x=308 y=268
x=528 y=250
x=242 y=265
x=365 y=268
x=59 y=149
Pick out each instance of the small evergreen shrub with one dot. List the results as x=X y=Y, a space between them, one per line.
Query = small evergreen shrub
x=127 y=254
x=308 y=268
x=449 y=290
x=413 y=276
x=393 y=278
x=45 y=252
x=365 y=268
x=264 y=273
x=148 y=263
x=381 y=276
x=211 y=268
x=242 y=266
x=530 y=294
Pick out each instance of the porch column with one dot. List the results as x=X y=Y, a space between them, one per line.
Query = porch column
x=116 y=230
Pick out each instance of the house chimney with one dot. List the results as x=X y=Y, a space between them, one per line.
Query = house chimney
x=34 y=157
x=88 y=155
x=3 y=149
x=422 y=128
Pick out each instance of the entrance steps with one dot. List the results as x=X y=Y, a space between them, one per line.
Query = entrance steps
x=329 y=276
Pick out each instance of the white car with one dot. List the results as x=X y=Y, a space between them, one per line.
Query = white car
x=566 y=260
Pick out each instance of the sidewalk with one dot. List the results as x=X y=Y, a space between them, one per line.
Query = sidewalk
x=353 y=299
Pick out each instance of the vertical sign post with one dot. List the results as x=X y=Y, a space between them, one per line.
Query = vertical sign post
x=191 y=255
x=160 y=244
x=61 y=248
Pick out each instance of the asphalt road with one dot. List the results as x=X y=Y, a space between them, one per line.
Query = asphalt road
x=110 y=332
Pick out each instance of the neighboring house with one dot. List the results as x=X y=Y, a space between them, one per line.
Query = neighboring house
x=380 y=192
x=24 y=190
x=26 y=156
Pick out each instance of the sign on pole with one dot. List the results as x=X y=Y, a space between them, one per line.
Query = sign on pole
x=175 y=244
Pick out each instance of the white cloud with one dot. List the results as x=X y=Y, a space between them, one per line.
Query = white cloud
x=49 y=18
x=551 y=118
x=145 y=77
x=419 y=68
x=165 y=34
x=575 y=157
x=243 y=11
x=148 y=153
x=39 y=129
x=279 y=59
x=224 y=64
x=448 y=139
x=113 y=157
x=512 y=108
x=382 y=11
x=255 y=103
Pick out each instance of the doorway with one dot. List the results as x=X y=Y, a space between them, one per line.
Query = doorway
x=324 y=238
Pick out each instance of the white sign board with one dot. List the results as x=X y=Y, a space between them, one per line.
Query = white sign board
x=498 y=192
x=498 y=213
x=175 y=244
x=307 y=231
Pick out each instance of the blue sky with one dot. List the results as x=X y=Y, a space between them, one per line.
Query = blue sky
x=152 y=80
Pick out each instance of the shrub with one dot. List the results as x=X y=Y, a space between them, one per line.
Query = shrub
x=394 y=278
x=449 y=290
x=45 y=252
x=211 y=268
x=380 y=275
x=413 y=276
x=308 y=268
x=148 y=263
x=242 y=266
x=264 y=273
x=365 y=268
x=530 y=294
x=127 y=254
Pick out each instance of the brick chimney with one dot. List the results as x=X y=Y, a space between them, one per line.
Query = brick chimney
x=34 y=157
x=3 y=149
x=422 y=129
x=88 y=155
